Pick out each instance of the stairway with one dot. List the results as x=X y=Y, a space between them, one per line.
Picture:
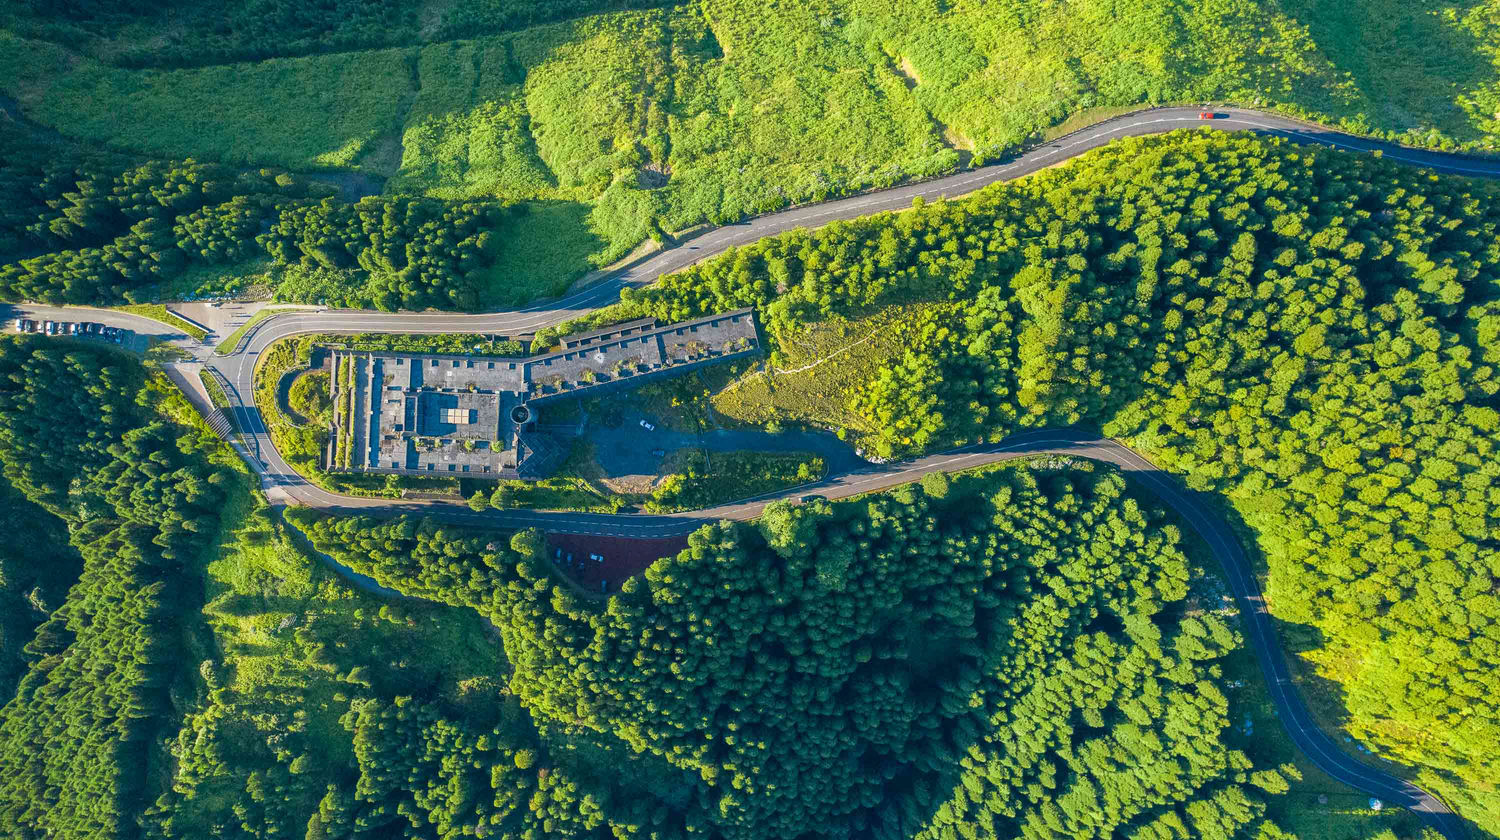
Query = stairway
x=221 y=423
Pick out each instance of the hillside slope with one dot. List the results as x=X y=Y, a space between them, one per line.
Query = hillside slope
x=665 y=118
x=1309 y=333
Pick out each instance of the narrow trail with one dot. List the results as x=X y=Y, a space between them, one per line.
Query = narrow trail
x=834 y=355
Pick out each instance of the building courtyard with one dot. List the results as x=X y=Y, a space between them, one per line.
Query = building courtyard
x=478 y=417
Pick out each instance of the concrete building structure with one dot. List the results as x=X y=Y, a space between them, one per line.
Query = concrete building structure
x=476 y=417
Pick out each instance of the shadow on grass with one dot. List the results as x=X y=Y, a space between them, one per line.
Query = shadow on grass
x=544 y=249
x=1409 y=65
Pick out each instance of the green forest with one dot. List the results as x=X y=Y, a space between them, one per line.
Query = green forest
x=1313 y=335
x=618 y=121
x=100 y=229
x=1022 y=653
x=133 y=505
x=1036 y=651
x=1005 y=656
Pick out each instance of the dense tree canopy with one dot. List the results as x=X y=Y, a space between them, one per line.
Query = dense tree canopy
x=1313 y=333
x=37 y=565
x=1001 y=658
x=139 y=503
x=1015 y=654
x=93 y=229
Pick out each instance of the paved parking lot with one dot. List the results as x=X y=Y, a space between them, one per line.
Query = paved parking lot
x=624 y=557
x=219 y=320
x=137 y=336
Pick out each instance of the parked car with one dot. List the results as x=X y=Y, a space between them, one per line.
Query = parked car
x=72 y=328
x=647 y=426
x=812 y=498
x=26 y=326
x=49 y=327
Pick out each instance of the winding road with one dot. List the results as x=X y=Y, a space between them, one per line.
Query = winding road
x=284 y=486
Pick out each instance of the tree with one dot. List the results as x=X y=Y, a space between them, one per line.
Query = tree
x=935 y=484
x=503 y=497
x=1310 y=335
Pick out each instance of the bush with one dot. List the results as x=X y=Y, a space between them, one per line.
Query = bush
x=309 y=397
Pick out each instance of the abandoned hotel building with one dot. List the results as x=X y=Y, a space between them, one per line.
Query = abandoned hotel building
x=426 y=414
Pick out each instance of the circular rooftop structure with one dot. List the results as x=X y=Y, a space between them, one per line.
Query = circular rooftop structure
x=521 y=414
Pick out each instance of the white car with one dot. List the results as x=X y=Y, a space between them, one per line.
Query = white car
x=647 y=426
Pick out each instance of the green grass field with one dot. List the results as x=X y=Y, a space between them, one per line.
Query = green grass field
x=627 y=123
x=698 y=479
x=232 y=341
x=158 y=312
x=322 y=111
x=547 y=249
x=280 y=642
x=289 y=645
x=250 y=279
x=216 y=394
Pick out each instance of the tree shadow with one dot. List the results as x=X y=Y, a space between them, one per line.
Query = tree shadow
x=1220 y=531
x=1409 y=65
x=546 y=246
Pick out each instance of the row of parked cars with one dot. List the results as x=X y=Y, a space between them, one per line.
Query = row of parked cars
x=85 y=329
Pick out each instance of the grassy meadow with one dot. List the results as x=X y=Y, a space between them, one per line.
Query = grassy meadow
x=815 y=370
x=322 y=111
x=627 y=124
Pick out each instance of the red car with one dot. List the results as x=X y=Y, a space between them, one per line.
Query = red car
x=1207 y=115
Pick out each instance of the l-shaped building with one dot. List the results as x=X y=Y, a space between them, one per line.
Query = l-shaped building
x=476 y=417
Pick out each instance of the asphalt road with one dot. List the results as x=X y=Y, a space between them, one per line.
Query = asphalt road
x=283 y=485
x=1197 y=511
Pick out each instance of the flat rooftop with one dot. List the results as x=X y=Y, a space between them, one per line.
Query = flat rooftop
x=437 y=414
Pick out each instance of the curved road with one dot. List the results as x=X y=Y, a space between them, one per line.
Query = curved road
x=283 y=485
x=1196 y=509
x=283 y=482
